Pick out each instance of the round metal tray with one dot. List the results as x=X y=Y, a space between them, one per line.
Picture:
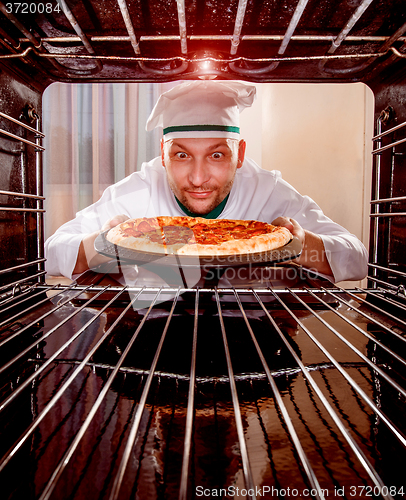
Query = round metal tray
x=126 y=255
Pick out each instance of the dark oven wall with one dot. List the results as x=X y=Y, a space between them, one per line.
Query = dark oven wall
x=20 y=179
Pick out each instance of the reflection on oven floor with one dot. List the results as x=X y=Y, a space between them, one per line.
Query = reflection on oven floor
x=153 y=471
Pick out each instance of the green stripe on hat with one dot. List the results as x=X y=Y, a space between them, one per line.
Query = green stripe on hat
x=201 y=128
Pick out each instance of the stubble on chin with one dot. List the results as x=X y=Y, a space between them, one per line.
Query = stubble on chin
x=181 y=196
x=194 y=208
x=197 y=210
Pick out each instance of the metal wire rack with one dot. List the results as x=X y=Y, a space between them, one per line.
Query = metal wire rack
x=387 y=207
x=23 y=206
x=88 y=386
x=247 y=50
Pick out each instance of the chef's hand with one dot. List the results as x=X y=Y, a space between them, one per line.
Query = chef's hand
x=114 y=221
x=87 y=255
x=313 y=254
x=294 y=227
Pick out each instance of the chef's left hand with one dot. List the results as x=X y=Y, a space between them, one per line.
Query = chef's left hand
x=294 y=227
x=313 y=254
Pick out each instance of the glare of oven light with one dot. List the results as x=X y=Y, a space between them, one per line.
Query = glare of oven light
x=206 y=66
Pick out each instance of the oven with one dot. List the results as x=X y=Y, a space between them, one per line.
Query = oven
x=260 y=382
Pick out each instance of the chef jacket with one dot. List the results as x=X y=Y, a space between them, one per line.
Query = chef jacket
x=256 y=194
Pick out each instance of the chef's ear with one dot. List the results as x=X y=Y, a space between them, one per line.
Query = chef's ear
x=162 y=152
x=241 y=152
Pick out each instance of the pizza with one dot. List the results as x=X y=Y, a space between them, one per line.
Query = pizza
x=198 y=236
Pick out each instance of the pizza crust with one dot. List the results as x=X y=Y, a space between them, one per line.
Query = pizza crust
x=120 y=235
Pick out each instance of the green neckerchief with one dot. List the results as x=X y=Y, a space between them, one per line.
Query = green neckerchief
x=211 y=215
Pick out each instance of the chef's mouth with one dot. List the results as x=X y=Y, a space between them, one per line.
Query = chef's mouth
x=199 y=194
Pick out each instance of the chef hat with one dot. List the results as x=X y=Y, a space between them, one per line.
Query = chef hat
x=202 y=109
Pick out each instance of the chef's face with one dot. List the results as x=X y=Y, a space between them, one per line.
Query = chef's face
x=201 y=172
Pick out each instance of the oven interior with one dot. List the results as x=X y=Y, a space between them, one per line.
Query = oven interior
x=255 y=387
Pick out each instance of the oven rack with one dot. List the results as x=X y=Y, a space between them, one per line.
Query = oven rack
x=238 y=55
x=387 y=205
x=22 y=206
x=371 y=370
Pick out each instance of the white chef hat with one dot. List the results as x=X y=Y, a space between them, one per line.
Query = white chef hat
x=202 y=109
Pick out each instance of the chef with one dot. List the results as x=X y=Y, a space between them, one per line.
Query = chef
x=203 y=171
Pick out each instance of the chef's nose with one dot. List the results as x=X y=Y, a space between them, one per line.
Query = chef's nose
x=199 y=173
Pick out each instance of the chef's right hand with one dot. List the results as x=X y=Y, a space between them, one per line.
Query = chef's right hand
x=114 y=221
x=87 y=255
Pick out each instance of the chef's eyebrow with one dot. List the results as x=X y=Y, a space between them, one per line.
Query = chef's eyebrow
x=221 y=144
x=214 y=146
x=179 y=145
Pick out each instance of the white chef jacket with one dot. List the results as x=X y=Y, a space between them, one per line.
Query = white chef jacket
x=256 y=194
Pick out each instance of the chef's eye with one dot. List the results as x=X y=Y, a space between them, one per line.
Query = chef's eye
x=217 y=155
x=181 y=155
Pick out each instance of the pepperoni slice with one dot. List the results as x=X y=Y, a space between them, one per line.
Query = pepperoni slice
x=257 y=232
x=144 y=227
x=177 y=234
x=254 y=224
x=130 y=231
x=239 y=236
x=199 y=227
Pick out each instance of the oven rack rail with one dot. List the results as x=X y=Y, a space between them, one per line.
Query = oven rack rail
x=244 y=377
x=389 y=324
x=385 y=213
x=161 y=66
x=37 y=197
x=23 y=288
x=379 y=136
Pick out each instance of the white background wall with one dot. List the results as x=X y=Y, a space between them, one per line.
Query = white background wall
x=319 y=137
